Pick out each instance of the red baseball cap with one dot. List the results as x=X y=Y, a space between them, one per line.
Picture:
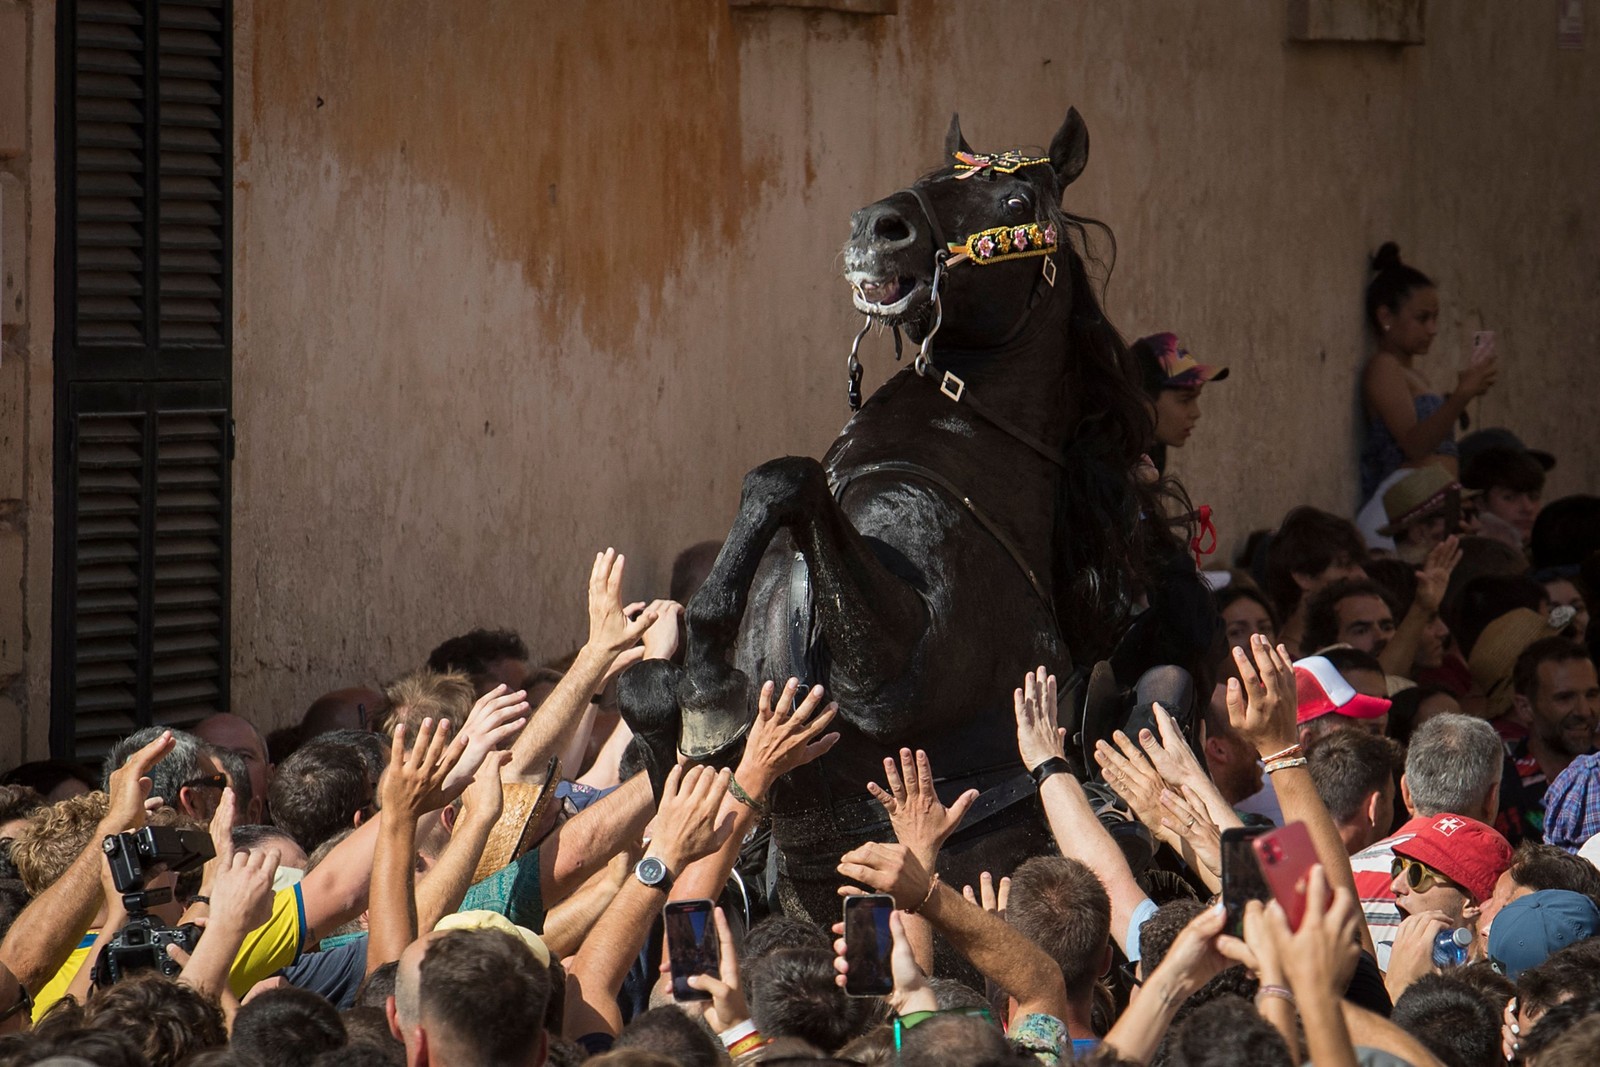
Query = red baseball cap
x=1464 y=850
x=1322 y=690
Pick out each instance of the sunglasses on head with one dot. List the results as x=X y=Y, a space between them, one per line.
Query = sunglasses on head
x=1419 y=878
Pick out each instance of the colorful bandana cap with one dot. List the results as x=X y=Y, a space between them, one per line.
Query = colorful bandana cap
x=1174 y=365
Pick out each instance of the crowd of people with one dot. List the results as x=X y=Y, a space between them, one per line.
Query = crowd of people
x=469 y=866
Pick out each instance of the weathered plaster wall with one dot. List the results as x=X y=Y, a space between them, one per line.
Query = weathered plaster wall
x=27 y=257
x=516 y=280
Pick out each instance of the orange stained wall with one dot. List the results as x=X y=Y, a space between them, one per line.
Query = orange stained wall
x=520 y=280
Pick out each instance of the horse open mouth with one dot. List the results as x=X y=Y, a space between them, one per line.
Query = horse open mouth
x=885 y=297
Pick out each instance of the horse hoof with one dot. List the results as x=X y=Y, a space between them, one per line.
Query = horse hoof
x=1103 y=706
x=1137 y=843
x=716 y=713
x=1171 y=687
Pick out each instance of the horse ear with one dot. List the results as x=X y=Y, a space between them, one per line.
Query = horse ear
x=953 y=141
x=1069 y=148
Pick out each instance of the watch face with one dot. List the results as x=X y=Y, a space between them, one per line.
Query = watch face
x=651 y=871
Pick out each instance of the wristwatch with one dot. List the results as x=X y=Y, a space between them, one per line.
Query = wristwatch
x=653 y=873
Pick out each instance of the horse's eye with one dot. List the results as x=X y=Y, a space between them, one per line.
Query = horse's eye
x=1016 y=203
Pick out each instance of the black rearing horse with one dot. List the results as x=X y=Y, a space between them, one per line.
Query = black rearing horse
x=978 y=516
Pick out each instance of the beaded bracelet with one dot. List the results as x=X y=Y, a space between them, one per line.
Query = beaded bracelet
x=1285 y=764
x=1288 y=753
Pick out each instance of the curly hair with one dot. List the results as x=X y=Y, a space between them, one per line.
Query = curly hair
x=169 y=1021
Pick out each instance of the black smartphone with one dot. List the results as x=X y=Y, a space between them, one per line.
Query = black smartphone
x=1242 y=879
x=867 y=945
x=692 y=945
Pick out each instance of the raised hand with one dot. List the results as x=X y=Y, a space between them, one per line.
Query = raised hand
x=1038 y=736
x=1412 y=954
x=1176 y=762
x=241 y=890
x=130 y=786
x=1262 y=700
x=661 y=639
x=610 y=629
x=784 y=736
x=1199 y=839
x=687 y=826
x=495 y=720
x=911 y=989
x=920 y=819
x=1134 y=778
x=1433 y=577
x=885 y=868
x=1319 y=958
x=989 y=896
x=414 y=782
x=1478 y=378
x=728 y=1006
x=484 y=796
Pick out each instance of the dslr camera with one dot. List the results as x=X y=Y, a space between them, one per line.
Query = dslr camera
x=134 y=857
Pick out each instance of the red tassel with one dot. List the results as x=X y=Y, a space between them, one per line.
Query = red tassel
x=1207 y=529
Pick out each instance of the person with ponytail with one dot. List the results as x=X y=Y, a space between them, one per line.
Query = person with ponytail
x=1409 y=423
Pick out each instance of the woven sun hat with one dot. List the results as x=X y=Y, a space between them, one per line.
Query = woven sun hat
x=1494 y=656
x=521 y=825
x=1417 y=495
x=493 y=920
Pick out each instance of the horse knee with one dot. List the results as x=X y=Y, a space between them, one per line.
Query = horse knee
x=778 y=485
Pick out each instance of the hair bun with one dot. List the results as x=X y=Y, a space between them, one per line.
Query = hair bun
x=1386 y=257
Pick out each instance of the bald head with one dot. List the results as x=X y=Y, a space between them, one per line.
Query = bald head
x=238 y=735
x=357 y=708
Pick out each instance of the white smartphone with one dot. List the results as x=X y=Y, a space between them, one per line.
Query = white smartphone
x=1482 y=345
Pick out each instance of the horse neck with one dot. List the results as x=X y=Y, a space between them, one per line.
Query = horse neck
x=1024 y=380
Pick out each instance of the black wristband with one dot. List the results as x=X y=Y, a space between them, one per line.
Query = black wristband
x=1053 y=765
x=198 y=899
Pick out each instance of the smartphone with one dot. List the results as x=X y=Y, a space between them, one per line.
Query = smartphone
x=692 y=945
x=1482 y=345
x=867 y=944
x=1286 y=856
x=1242 y=880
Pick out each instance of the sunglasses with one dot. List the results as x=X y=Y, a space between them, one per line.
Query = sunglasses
x=975 y=1013
x=1130 y=973
x=1419 y=878
x=24 y=1004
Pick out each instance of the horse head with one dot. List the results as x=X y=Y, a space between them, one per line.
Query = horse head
x=998 y=212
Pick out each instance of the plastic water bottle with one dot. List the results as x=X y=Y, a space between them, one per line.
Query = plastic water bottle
x=1451 y=947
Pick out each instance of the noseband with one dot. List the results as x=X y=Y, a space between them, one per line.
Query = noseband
x=981 y=248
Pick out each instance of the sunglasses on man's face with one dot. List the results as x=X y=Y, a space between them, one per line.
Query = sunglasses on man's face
x=1419 y=878
x=24 y=1004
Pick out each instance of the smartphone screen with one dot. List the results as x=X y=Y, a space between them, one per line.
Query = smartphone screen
x=867 y=944
x=1242 y=879
x=692 y=945
x=1286 y=856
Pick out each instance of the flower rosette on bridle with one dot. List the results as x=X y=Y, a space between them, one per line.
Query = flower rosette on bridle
x=1008 y=242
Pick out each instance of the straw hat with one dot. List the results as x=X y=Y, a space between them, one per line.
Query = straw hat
x=522 y=817
x=1502 y=641
x=1424 y=490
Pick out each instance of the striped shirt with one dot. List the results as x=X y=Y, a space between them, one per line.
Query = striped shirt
x=1373 y=868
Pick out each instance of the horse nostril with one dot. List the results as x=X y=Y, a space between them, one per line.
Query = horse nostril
x=891 y=227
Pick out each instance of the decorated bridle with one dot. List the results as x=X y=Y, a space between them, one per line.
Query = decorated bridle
x=982 y=248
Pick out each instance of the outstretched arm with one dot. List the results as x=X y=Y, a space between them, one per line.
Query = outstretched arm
x=46 y=931
x=687 y=828
x=611 y=636
x=1433 y=578
x=1261 y=706
x=1077 y=831
x=998 y=950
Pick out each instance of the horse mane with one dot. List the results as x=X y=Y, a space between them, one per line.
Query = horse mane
x=1102 y=537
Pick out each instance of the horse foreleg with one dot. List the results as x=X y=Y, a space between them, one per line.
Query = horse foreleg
x=869 y=615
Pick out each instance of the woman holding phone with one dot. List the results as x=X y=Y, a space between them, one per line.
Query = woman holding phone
x=1409 y=422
